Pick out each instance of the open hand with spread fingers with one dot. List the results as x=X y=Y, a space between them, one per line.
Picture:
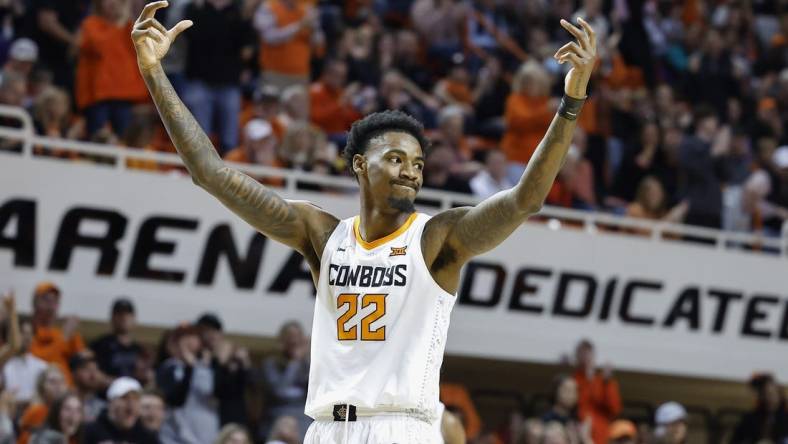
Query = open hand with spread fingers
x=151 y=39
x=581 y=54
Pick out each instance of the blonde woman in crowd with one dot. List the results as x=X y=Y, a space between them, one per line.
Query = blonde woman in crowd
x=233 y=434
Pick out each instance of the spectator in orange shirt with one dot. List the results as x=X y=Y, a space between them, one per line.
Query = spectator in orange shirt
x=288 y=29
x=529 y=111
x=455 y=89
x=108 y=80
x=331 y=101
x=598 y=395
x=573 y=186
x=50 y=386
x=458 y=401
x=50 y=342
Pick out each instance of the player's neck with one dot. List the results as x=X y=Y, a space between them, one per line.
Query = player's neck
x=377 y=223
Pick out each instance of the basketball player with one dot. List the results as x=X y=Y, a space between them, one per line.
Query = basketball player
x=385 y=279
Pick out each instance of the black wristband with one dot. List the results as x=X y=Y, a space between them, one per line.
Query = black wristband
x=570 y=107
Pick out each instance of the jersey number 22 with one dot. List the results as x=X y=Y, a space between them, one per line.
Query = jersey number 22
x=345 y=333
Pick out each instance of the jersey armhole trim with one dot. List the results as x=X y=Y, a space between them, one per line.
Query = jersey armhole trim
x=425 y=267
x=327 y=248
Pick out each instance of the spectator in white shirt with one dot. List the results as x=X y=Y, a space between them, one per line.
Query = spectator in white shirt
x=21 y=371
x=492 y=178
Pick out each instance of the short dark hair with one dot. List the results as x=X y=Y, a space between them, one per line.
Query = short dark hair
x=558 y=381
x=376 y=124
x=210 y=320
x=122 y=305
x=329 y=63
x=288 y=324
x=759 y=381
x=585 y=343
x=80 y=360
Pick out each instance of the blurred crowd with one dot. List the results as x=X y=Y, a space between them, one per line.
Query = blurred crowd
x=685 y=120
x=198 y=386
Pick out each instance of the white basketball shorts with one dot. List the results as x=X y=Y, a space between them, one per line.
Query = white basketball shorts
x=387 y=429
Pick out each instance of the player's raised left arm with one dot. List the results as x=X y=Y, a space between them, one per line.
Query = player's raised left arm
x=481 y=228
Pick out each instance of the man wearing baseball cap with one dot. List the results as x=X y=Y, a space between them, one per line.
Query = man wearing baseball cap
x=22 y=55
x=117 y=352
x=266 y=105
x=258 y=146
x=51 y=342
x=671 y=423
x=120 y=421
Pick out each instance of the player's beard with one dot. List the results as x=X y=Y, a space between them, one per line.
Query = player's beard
x=402 y=204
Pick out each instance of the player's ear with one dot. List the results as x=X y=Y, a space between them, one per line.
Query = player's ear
x=359 y=164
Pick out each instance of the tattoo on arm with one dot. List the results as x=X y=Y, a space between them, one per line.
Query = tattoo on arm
x=544 y=166
x=255 y=203
x=489 y=223
x=193 y=145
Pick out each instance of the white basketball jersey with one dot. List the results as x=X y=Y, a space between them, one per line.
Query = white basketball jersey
x=380 y=325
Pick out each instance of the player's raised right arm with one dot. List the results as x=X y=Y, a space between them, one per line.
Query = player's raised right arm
x=261 y=207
